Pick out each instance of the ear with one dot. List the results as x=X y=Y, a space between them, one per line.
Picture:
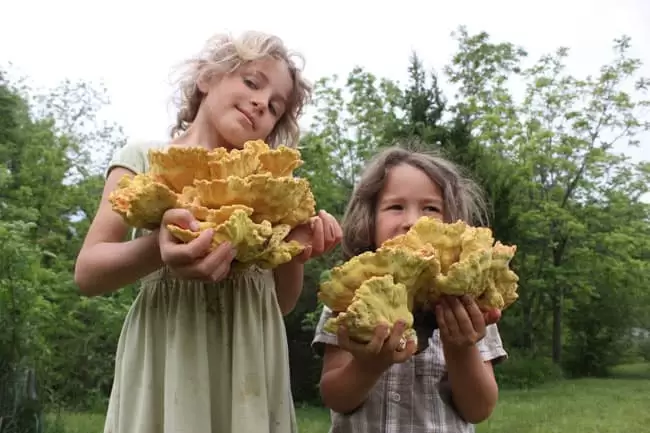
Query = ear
x=203 y=82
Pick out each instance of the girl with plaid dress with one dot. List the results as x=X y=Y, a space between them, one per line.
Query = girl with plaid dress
x=382 y=387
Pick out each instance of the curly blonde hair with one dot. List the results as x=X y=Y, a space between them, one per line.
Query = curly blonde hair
x=224 y=54
x=462 y=197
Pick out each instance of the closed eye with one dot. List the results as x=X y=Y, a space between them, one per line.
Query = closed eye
x=250 y=83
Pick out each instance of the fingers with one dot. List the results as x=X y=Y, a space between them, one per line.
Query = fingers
x=180 y=217
x=326 y=233
x=317 y=237
x=332 y=232
x=213 y=267
x=471 y=319
x=373 y=347
x=399 y=349
x=394 y=339
x=452 y=327
x=383 y=350
x=378 y=340
x=355 y=348
x=338 y=231
x=441 y=309
x=176 y=253
x=492 y=316
x=460 y=320
x=406 y=353
x=217 y=264
x=221 y=271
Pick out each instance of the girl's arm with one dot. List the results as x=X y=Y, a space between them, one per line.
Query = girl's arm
x=288 y=285
x=345 y=383
x=105 y=263
x=474 y=390
x=466 y=336
x=351 y=370
x=319 y=235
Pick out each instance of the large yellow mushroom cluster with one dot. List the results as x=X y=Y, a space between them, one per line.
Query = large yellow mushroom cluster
x=248 y=197
x=412 y=271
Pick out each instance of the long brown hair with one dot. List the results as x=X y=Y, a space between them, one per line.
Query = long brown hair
x=462 y=197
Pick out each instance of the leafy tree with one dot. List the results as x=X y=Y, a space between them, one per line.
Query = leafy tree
x=564 y=138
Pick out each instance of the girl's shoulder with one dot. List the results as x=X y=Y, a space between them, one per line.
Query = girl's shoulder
x=133 y=155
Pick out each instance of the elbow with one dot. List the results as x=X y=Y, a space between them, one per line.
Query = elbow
x=325 y=395
x=333 y=401
x=479 y=413
x=287 y=301
x=287 y=307
x=82 y=280
x=82 y=283
x=477 y=417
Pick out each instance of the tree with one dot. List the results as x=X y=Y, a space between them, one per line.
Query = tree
x=48 y=193
x=562 y=138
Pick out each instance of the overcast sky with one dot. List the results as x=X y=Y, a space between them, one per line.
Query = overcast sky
x=132 y=46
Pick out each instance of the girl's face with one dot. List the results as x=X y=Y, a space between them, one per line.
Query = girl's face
x=247 y=103
x=408 y=194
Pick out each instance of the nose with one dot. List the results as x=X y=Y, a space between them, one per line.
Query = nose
x=257 y=106
x=410 y=217
x=259 y=101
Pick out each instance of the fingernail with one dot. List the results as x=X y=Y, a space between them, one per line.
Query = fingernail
x=233 y=252
x=194 y=226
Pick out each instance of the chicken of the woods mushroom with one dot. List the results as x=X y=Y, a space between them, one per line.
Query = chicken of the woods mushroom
x=249 y=197
x=408 y=273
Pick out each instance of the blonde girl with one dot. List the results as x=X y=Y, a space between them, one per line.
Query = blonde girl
x=381 y=387
x=204 y=349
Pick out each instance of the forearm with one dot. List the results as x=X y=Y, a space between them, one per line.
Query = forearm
x=345 y=388
x=107 y=266
x=288 y=285
x=473 y=386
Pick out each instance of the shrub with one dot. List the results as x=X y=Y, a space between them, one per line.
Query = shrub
x=524 y=372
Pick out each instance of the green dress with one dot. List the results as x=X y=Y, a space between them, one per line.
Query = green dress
x=197 y=357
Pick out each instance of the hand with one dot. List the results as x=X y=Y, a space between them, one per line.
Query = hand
x=461 y=321
x=384 y=350
x=319 y=235
x=194 y=259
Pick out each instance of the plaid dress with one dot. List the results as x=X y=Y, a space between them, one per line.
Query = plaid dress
x=412 y=397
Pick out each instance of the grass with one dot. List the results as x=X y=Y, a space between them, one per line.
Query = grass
x=617 y=404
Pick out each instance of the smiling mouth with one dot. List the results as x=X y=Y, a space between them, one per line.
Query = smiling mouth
x=248 y=117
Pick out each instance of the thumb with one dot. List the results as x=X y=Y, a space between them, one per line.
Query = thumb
x=182 y=218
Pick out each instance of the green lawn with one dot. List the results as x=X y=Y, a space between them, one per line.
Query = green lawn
x=619 y=404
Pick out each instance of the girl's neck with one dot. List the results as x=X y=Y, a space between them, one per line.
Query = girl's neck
x=201 y=134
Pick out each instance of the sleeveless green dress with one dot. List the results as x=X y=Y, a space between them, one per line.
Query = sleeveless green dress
x=197 y=357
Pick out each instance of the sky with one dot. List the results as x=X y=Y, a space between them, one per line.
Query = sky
x=133 y=46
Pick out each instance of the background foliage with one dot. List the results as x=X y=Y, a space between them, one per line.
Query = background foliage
x=551 y=163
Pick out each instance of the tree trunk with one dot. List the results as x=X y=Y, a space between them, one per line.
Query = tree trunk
x=558 y=301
